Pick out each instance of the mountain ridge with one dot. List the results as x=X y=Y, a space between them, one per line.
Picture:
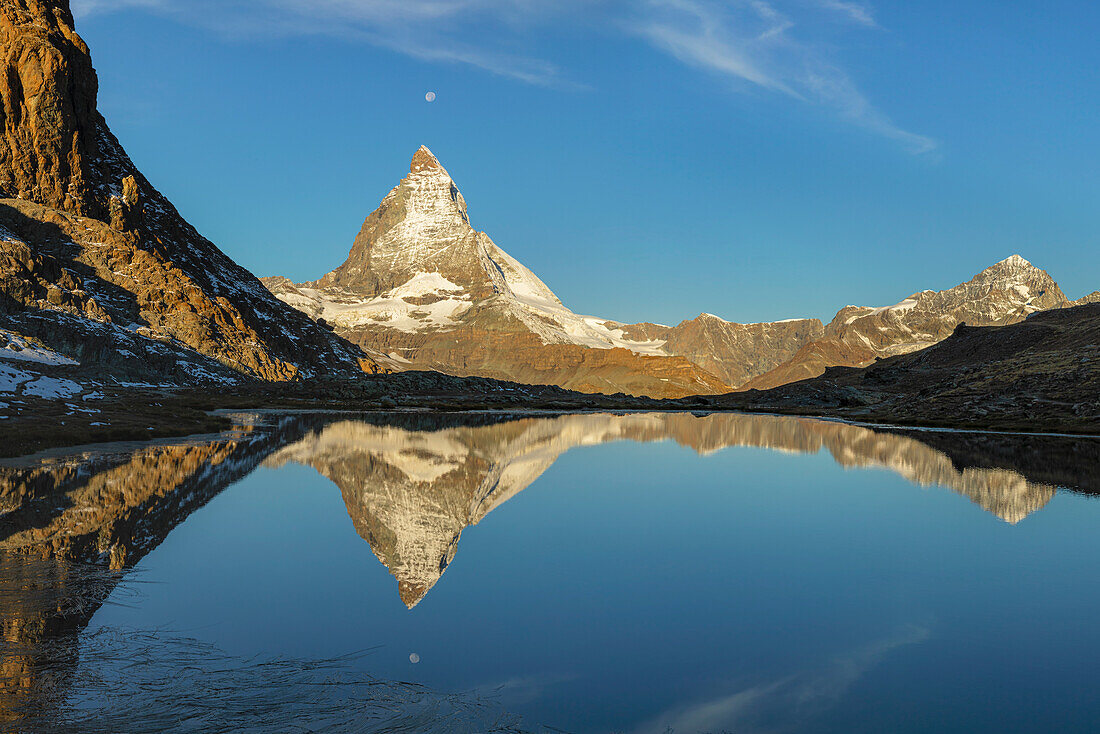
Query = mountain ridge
x=423 y=287
x=83 y=233
x=1006 y=292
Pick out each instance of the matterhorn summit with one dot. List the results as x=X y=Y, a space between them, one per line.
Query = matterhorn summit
x=423 y=286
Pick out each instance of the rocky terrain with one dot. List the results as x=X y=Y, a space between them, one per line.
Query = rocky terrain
x=736 y=353
x=96 y=264
x=1005 y=293
x=118 y=320
x=1042 y=374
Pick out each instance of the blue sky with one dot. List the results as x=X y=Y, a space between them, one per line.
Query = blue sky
x=648 y=159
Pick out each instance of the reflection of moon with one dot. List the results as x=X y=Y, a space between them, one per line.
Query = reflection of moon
x=430 y=96
x=414 y=658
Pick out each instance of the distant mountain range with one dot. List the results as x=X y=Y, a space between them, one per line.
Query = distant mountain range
x=424 y=287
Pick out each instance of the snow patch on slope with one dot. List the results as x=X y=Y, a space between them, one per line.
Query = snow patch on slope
x=53 y=388
x=393 y=309
x=11 y=378
x=536 y=305
x=18 y=347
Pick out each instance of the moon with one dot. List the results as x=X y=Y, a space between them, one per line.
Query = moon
x=430 y=96
x=414 y=658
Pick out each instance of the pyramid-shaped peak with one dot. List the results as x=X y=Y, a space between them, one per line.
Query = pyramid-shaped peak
x=1012 y=266
x=1016 y=261
x=424 y=160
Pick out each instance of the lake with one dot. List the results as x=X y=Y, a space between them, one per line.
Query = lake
x=583 y=573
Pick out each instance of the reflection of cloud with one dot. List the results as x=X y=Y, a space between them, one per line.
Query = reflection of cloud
x=784 y=703
x=521 y=690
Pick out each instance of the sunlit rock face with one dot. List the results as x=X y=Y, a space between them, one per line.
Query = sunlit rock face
x=411 y=493
x=736 y=353
x=1004 y=293
x=423 y=286
x=94 y=260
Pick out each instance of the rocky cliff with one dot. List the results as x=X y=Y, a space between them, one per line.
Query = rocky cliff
x=1042 y=373
x=91 y=254
x=736 y=353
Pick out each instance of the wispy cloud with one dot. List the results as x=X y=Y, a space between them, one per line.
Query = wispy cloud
x=768 y=44
x=429 y=30
x=785 y=704
x=857 y=12
x=82 y=8
x=753 y=41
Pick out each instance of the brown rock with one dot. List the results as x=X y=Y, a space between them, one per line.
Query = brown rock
x=80 y=219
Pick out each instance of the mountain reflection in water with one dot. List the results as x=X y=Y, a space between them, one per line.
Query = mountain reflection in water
x=412 y=483
x=411 y=492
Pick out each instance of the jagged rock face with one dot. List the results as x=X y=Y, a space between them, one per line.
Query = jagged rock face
x=51 y=127
x=736 y=353
x=1005 y=293
x=411 y=494
x=424 y=287
x=1043 y=371
x=1093 y=297
x=126 y=257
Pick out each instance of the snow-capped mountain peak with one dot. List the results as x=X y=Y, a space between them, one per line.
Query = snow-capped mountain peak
x=418 y=270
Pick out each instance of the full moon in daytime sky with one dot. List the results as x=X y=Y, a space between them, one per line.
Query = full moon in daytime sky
x=430 y=96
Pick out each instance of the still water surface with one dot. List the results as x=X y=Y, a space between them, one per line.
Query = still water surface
x=603 y=573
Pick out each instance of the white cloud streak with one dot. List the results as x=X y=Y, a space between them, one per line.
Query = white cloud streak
x=856 y=12
x=752 y=43
x=428 y=30
x=83 y=8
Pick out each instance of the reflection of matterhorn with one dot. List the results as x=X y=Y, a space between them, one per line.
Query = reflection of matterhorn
x=411 y=493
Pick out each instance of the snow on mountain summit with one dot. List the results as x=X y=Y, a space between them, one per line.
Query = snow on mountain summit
x=420 y=279
x=421 y=235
